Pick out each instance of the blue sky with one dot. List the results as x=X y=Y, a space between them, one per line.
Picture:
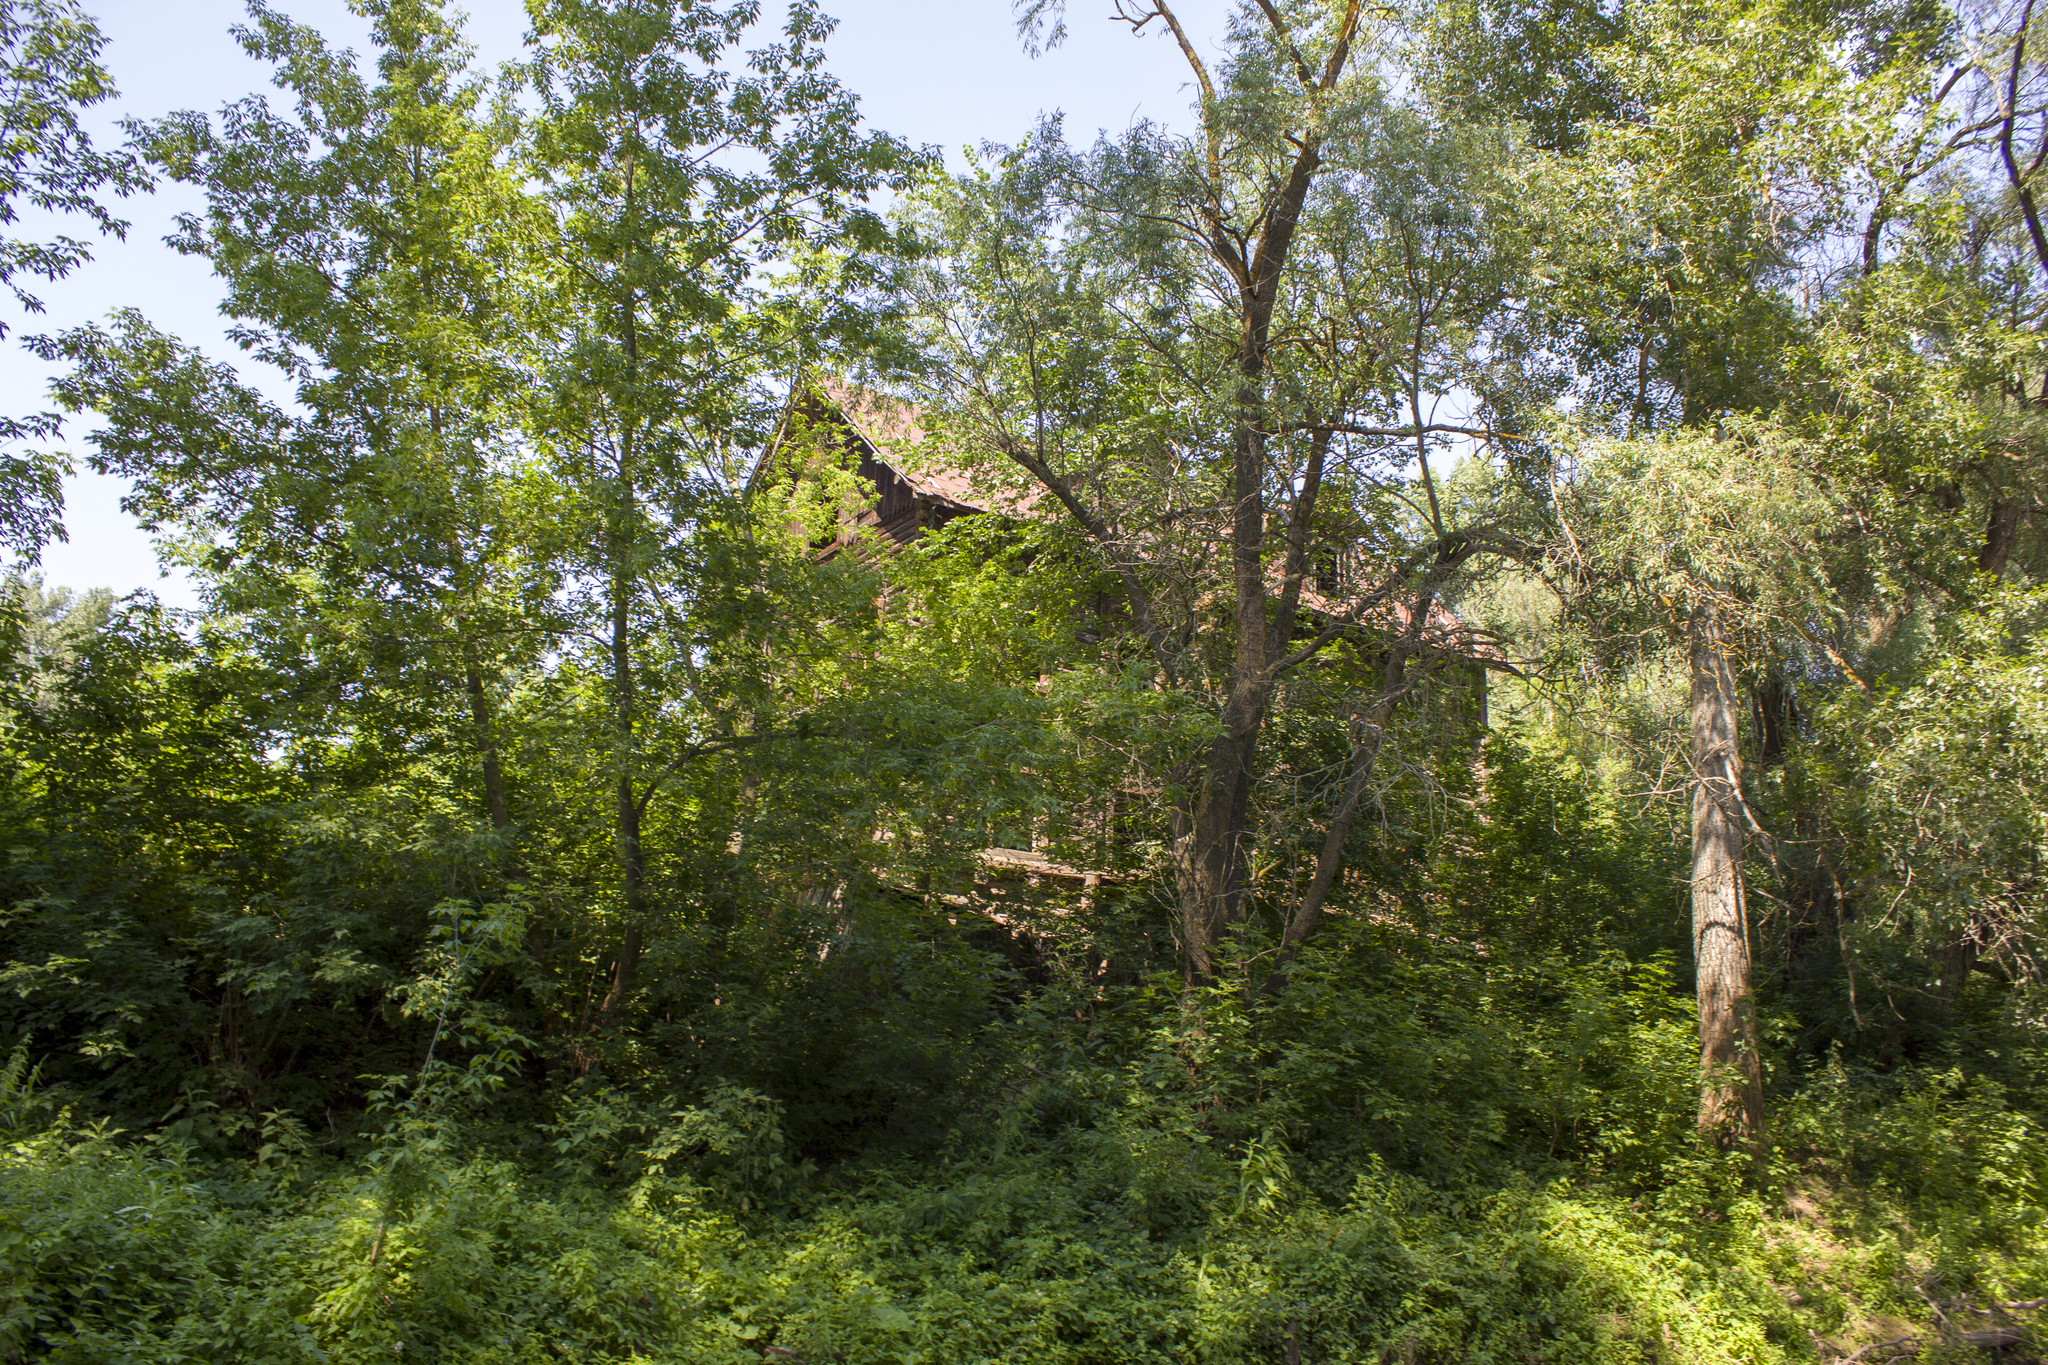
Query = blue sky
x=949 y=74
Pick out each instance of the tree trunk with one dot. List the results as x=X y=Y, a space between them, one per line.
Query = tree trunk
x=1772 y=715
x=1958 y=956
x=2001 y=532
x=1210 y=838
x=1211 y=825
x=1364 y=758
x=1731 y=1078
x=632 y=866
x=495 y=804
x=1209 y=841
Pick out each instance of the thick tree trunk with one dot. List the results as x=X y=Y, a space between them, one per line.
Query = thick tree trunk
x=1731 y=1087
x=1211 y=827
x=1209 y=848
x=1212 y=831
x=2001 y=532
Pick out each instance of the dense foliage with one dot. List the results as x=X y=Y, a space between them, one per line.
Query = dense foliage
x=1472 y=793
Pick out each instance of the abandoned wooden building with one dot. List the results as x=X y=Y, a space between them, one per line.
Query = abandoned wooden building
x=918 y=487
x=911 y=486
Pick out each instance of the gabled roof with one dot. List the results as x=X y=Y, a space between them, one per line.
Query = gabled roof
x=893 y=432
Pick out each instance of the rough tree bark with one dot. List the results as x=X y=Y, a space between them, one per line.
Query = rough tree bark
x=1731 y=1079
x=1212 y=827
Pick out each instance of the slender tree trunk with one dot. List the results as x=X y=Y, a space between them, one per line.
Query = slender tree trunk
x=632 y=866
x=487 y=743
x=1365 y=754
x=1212 y=833
x=1731 y=1084
x=1395 y=684
x=472 y=675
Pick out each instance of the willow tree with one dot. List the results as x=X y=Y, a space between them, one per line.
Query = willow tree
x=1695 y=232
x=1701 y=550
x=1227 y=360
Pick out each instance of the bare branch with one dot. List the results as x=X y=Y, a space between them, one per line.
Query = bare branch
x=2011 y=112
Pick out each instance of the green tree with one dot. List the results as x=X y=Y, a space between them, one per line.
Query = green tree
x=49 y=73
x=1688 y=295
x=676 y=185
x=363 y=239
x=1222 y=357
x=1709 y=546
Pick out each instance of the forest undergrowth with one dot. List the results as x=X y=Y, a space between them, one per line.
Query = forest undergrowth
x=1425 y=1147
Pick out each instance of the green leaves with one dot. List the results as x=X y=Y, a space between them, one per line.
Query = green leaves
x=1933 y=781
x=1733 y=516
x=49 y=72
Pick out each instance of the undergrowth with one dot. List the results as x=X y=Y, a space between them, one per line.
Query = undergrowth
x=1463 y=1186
